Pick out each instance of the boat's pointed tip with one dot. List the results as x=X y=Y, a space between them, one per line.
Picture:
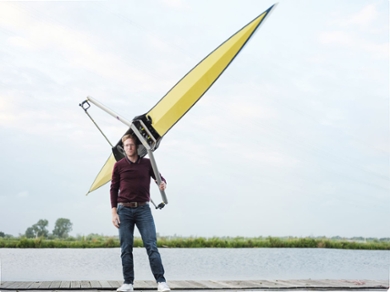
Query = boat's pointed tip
x=269 y=11
x=273 y=6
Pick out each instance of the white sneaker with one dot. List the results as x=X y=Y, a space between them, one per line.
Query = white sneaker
x=125 y=288
x=163 y=287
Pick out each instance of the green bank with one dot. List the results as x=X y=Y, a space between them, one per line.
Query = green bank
x=98 y=241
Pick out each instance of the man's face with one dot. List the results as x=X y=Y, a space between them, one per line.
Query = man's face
x=130 y=148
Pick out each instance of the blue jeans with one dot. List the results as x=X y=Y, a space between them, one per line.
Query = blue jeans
x=143 y=219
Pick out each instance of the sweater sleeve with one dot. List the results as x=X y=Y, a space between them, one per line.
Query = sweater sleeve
x=114 y=186
x=153 y=176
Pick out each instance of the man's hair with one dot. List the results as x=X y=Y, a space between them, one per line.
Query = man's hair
x=130 y=136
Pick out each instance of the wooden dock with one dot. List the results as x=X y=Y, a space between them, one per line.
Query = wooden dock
x=202 y=285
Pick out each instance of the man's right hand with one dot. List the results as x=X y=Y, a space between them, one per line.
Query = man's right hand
x=115 y=218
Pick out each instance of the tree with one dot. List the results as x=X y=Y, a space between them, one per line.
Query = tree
x=62 y=227
x=30 y=233
x=39 y=229
x=2 y=234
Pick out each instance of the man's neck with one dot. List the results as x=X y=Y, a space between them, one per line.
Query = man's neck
x=133 y=158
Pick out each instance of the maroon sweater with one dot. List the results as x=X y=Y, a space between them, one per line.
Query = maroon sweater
x=131 y=181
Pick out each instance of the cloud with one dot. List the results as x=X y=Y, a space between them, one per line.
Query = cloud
x=271 y=158
x=23 y=194
x=6 y=117
x=177 y=4
x=18 y=41
x=337 y=37
x=248 y=110
x=74 y=49
x=11 y=17
x=366 y=16
x=346 y=39
x=48 y=64
x=357 y=31
x=13 y=115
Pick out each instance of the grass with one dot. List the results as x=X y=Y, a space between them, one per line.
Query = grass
x=271 y=242
x=96 y=241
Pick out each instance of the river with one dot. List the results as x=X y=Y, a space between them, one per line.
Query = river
x=196 y=264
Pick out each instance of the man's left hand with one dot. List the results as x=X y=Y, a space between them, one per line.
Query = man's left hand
x=163 y=186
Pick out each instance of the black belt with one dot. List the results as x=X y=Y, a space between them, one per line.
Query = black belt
x=133 y=204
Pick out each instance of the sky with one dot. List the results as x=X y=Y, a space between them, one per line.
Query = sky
x=292 y=140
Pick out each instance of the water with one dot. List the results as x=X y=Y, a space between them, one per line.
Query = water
x=196 y=264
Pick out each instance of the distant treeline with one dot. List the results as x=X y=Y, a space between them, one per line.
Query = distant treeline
x=99 y=241
x=39 y=230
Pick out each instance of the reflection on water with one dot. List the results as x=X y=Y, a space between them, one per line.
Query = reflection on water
x=196 y=264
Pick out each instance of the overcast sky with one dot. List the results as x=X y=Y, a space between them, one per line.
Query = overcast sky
x=293 y=138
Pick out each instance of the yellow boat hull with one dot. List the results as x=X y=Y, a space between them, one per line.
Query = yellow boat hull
x=179 y=100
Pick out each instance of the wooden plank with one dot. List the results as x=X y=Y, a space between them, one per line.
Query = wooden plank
x=241 y=284
x=367 y=283
x=198 y=284
x=65 y=284
x=262 y=284
x=115 y=284
x=338 y=283
x=44 y=285
x=270 y=284
x=7 y=284
x=95 y=284
x=222 y=284
x=55 y=285
x=355 y=282
x=347 y=284
x=294 y=283
x=209 y=284
x=35 y=285
x=75 y=284
x=227 y=284
x=214 y=284
x=147 y=285
x=327 y=283
x=104 y=284
x=25 y=285
x=379 y=283
x=175 y=285
x=280 y=284
x=85 y=285
x=15 y=285
x=317 y=283
x=266 y=284
x=181 y=285
x=276 y=284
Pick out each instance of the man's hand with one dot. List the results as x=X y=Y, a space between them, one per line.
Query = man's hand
x=115 y=218
x=163 y=185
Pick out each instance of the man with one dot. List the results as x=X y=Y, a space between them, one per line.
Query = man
x=130 y=198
